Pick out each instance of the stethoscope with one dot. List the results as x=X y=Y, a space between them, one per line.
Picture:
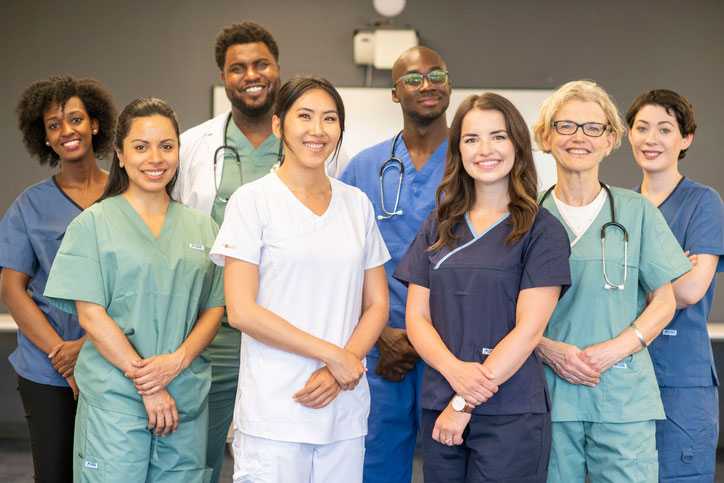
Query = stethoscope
x=611 y=224
x=392 y=162
x=223 y=148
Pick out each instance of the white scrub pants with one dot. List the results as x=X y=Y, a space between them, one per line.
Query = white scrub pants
x=260 y=460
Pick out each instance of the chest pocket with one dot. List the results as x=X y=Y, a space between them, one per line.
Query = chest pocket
x=193 y=266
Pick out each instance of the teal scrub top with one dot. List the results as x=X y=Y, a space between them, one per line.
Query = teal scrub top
x=255 y=163
x=154 y=289
x=588 y=314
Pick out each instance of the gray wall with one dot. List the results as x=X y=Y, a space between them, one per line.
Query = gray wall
x=165 y=49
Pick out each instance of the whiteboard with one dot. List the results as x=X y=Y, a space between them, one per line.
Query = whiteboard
x=371 y=117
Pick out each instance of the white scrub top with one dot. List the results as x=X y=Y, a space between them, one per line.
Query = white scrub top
x=311 y=272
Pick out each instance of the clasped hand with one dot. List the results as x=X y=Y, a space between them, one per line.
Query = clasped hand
x=569 y=362
x=473 y=381
x=346 y=368
x=155 y=373
x=64 y=355
x=397 y=355
x=162 y=412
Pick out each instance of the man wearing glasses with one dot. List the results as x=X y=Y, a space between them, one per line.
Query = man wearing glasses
x=400 y=177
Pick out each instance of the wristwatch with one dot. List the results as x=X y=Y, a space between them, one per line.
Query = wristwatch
x=458 y=404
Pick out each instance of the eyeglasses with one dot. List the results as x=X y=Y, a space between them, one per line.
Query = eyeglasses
x=590 y=129
x=414 y=81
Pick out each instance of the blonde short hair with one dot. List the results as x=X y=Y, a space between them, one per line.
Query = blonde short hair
x=580 y=90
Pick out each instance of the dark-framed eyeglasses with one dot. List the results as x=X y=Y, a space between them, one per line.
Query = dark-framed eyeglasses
x=590 y=129
x=414 y=81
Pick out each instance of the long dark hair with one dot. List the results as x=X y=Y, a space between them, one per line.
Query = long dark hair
x=292 y=90
x=145 y=107
x=456 y=194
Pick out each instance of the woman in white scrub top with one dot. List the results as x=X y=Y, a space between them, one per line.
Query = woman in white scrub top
x=605 y=399
x=306 y=284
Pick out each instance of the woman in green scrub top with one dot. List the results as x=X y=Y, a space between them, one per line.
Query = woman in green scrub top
x=605 y=399
x=135 y=267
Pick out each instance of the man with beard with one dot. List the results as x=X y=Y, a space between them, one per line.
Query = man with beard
x=400 y=177
x=216 y=157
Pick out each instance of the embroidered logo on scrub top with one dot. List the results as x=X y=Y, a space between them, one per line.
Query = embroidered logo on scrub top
x=669 y=332
x=233 y=247
x=195 y=246
x=91 y=464
x=486 y=351
x=620 y=365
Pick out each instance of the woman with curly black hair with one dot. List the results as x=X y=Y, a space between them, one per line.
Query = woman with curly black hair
x=65 y=122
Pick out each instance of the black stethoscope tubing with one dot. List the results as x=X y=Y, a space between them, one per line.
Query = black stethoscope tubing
x=611 y=224
x=391 y=162
x=224 y=147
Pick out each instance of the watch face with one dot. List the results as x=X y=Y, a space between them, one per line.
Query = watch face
x=458 y=403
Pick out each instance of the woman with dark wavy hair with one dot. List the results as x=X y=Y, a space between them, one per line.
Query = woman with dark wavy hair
x=66 y=123
x=484 y=275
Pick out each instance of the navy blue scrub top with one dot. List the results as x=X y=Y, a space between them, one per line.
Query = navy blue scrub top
x=473 y=296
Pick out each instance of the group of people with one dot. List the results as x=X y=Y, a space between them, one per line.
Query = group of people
x=429 y=292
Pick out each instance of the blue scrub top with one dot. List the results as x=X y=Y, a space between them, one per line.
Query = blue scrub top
x=473 y=297
x=30 y=235
x=682 y=353
x=417 y=199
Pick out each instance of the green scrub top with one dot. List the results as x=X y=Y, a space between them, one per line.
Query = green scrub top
x=255 y=163
x=588 y=314
x=154 y=289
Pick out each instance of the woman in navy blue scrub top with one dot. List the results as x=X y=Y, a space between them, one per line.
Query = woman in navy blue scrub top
x=484 y=274
x=66 y=123
x=661 y=129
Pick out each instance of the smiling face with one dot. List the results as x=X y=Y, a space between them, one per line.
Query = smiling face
x=311 y=129
x=487 y=152
x=656 y=139
x=150 y=154
x=429 y=102
x=578 y=152
x=69 y=130
x=251 y=78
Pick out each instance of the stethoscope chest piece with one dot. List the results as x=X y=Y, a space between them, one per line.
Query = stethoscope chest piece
x=608 y=285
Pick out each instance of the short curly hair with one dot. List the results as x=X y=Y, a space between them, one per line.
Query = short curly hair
x=39 y=96
x=243 y=33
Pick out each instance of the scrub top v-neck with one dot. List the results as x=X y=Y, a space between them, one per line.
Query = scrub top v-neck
x=30 y=234
x=311 y=274
x=589 y=314
x=153 y=289
x=474 y=288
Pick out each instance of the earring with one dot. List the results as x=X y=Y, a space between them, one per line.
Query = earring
x=47 y=143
